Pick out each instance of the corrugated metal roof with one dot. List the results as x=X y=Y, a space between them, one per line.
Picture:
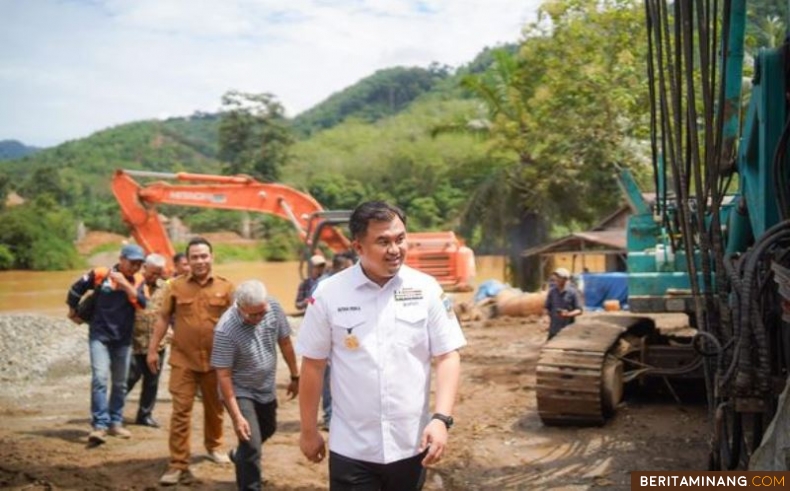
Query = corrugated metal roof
x=607 y=239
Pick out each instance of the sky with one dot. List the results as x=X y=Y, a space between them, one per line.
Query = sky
x=69 y=68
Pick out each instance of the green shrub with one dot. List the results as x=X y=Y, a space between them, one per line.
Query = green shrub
x=6 y=258
x=280 y=248
x=38 y=236
x=52 y=253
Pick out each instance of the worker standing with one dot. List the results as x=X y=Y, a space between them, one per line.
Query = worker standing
x=195 y=302
x=562 y=303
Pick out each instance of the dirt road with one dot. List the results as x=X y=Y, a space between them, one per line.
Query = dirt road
x=498 y=441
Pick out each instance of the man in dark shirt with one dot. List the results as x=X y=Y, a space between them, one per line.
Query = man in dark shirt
x=306 y=287
x=110 y=336
x=562 y=303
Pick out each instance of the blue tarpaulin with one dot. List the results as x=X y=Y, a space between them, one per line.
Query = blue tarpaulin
x=489 y=289
x=599 y=287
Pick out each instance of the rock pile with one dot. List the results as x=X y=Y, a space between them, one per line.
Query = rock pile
x=33 y=347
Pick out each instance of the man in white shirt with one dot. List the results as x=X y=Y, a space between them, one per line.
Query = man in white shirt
x=380 y=324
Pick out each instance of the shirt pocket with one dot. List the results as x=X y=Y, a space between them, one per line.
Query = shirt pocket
x=410 y=326
x=185 y=306
x=216 y=307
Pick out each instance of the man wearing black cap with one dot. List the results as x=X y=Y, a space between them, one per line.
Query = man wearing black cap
x=116 y=296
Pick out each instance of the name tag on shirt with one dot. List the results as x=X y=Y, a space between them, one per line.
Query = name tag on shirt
x=408 y=294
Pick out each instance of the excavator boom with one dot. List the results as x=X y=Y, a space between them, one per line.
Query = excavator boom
x=240 y=193
x=440 y=254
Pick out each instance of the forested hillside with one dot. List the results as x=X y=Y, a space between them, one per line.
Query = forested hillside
x=383 y=94
x=518 y=145
x=481 y=149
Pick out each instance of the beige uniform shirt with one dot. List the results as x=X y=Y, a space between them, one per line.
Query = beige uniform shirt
x=195 y=310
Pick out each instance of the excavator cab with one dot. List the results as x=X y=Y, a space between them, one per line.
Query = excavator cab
x=439 y=254
x=318 y=225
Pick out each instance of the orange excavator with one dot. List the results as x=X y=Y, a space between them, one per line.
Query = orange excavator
x=440 y=254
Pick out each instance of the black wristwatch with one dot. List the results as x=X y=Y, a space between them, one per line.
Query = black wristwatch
x=447 y=420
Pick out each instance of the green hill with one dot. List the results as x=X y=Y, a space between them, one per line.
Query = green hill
x=13 y=149
x=368 y=130
x=390 y=91
x=190 y=143
x=82 y=168
x=383 y=94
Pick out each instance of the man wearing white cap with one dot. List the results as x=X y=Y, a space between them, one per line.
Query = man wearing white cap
x=562 y=303
x=306 y=287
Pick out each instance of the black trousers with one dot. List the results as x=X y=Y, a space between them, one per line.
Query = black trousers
x=263 y=421
x=138 y=368
x=347 y=474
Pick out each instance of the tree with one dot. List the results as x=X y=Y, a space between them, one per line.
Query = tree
x=566 y=107
x=5 y=189
x=46 y=181
x=396 y=160
x=37 y=235
x=254 y=136
x=766 y=23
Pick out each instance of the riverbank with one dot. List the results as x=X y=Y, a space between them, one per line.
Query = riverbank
x=498 y=442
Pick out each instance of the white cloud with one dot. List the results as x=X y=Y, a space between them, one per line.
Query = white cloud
x=69 y=68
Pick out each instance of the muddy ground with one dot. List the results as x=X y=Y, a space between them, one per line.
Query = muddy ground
x=498 y=441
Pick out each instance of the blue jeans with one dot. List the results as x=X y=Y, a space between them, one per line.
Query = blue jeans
x=109 y=362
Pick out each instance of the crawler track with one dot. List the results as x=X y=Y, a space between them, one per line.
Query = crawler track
x=576 y=384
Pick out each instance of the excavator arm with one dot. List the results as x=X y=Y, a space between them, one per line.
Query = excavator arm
x=243 y=193
x=440 y=254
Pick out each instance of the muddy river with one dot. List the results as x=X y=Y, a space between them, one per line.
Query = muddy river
x=45 y=291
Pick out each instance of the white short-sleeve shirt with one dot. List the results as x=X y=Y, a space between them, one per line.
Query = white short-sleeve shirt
x=380 y=388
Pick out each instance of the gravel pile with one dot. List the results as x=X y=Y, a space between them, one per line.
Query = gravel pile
x=33 y=347
x=37 y=347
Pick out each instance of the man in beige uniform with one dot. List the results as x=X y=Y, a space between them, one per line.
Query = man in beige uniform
x=195 y=302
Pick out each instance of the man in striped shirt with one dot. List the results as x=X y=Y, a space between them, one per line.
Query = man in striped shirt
x=245 y=357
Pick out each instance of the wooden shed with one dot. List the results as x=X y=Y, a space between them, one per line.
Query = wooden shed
x=602 y=249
